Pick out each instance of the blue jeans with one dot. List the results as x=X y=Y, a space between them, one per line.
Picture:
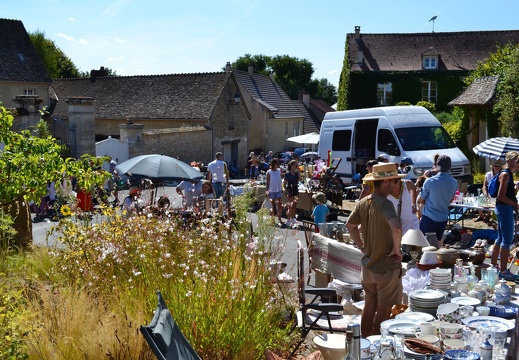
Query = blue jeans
x=505 y=226
x=429 y=225
x=219 y=189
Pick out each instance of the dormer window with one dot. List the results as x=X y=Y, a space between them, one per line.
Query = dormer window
x=430 y=62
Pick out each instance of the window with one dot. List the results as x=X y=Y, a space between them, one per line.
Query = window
x=384 y=94
x=429 y=91
x=341 y=140
x=28 y=92
x=430 y=62
x=297 y=130
x=387 y=143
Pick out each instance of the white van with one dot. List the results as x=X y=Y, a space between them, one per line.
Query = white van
x=357 y=136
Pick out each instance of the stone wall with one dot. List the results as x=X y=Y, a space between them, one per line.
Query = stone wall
x=187 y=143
x=9 y=91
x=110 y=127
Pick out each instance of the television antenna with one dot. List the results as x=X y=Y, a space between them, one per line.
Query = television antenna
x=432 y=19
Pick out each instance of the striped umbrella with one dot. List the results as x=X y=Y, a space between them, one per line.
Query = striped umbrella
x=496 y=148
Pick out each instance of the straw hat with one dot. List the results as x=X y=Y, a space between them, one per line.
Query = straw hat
x=499 y=162
x=384 y=171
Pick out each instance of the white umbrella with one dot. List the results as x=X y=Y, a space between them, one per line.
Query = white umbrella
x=496 y=148
x=311 y=138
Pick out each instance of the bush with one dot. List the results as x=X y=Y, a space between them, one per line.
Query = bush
x=92 y=294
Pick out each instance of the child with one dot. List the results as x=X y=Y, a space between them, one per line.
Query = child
x=320 y=210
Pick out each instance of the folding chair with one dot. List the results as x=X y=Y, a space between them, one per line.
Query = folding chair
x=309 y=229
x=313 y=311
x=165 y=337
x=354 y=185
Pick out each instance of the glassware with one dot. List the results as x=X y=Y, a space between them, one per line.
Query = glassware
x=499 y=341
x=348 y=346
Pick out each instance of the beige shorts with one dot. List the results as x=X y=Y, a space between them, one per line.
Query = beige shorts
x=384 y=289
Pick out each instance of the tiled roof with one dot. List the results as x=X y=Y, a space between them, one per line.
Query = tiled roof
x=480 y=92
x=181 y=96
x=19 y=60
x=403 y=52
x=268 y=93
x=321 y=105
x=310 y=123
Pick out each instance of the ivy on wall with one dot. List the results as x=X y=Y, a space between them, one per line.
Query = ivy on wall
x=406 y=86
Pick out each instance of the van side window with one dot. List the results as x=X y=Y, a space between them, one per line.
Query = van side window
x=341 y=140
x=387 y=143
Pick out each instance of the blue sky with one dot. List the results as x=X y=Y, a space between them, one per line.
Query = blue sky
x=136 y=37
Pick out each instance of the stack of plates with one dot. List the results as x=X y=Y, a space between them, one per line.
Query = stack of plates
x=426 y=300
x=440 y=279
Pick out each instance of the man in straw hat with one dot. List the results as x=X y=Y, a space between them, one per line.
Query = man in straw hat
x=380 y=243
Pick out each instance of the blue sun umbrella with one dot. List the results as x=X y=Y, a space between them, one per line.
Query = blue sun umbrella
x=496 y=148
x=158 y=168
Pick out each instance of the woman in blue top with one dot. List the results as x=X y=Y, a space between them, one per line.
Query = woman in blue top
x=506 y=203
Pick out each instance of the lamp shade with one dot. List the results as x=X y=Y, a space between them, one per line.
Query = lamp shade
x=414 y=237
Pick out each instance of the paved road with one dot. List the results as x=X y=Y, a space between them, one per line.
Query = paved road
x=286 y=238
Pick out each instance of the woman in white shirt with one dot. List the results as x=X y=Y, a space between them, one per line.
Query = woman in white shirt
x=275 y=189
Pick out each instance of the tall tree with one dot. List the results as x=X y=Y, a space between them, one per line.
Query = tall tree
x=291 y=73
x=503 y=63
x=344 y=80
x=260 y=63
x=57 y=64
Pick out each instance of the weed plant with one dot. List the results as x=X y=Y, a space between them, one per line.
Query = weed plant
x=86 y=299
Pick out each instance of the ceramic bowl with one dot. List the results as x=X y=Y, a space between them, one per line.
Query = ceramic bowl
x=461 y=355
x=451 y=331
x=454 y=344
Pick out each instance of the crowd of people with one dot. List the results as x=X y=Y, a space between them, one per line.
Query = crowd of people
x=390 y=205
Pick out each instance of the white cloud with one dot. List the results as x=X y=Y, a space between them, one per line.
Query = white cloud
x=111 y=58
x=66 y=37
x=71 y=19
x=119 y=40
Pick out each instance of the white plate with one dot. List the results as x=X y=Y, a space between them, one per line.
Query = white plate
x=487 y=321
x=415 y=316
x=427 y=295
x=440 y=272
x=401 y=326
x=359 y=305
x=465 y=300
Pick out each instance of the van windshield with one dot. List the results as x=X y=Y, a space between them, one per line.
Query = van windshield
x=424 y=138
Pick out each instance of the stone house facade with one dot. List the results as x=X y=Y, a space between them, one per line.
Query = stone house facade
x=24 y=82
x=189 y=116
x=389 y=68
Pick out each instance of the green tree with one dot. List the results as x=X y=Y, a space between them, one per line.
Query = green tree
x=57 y=64
x=344 y=80
x=291 y=73
x=324 y=90
x=507 y=105
x=32 y=158
x=260 y=63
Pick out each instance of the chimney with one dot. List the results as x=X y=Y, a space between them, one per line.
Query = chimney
x=357 y=33
x=251 y=68
x=228 y=67
x=98 y=73
x=306 y=99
